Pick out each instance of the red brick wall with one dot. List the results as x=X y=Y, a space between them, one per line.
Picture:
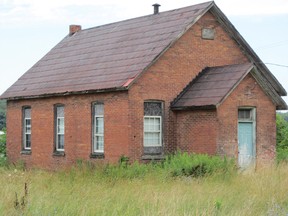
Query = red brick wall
x=197 y=131
x=247 y=94
x=78 y=129
x=167 y=77
x=124 y=112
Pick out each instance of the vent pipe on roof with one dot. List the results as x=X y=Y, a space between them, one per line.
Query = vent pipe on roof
x=74 y=28
x=156 y=8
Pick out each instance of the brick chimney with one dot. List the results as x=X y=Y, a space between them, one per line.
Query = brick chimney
x=156 y=8
x=74 y=28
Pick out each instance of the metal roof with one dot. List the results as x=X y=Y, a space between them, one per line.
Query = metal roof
x=112 y=56
x=212 y=86
x=107 y=57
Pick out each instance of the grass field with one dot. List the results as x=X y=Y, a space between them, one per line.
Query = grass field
x=96 y=191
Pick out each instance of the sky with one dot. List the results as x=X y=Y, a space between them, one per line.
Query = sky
x=30 y=28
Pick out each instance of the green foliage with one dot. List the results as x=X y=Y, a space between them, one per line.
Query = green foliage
x=133 y=171
x=197 y=165
x=282 y=155
x=180 y=164
x=3 y=144
x=82 y=191
x=2 y=120
x=282 y=138
x=2 y=114
x=124 y=161
x=3 y=106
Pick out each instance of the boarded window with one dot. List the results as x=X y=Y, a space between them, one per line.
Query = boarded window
x=208 y=33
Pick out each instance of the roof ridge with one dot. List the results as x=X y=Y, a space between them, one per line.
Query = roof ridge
x=160 y=13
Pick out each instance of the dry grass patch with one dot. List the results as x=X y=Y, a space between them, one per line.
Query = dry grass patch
x=83 y=191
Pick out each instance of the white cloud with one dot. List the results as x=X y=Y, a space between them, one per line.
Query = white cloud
x=27 y=11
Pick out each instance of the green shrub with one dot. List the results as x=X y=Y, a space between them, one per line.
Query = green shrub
x=282 y=155
x=180 y=164
x=282 y=138
x=282 y=132
x=125 y=171
x=3 y=161
x=3 y=144
x=197 y=165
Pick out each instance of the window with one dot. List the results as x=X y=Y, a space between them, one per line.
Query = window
x=27 y=128
x=98 y=128
x=245 y=114
x=152 y=124
x=60 y=128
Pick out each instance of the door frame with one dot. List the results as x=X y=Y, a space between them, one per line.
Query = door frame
x=253 y=121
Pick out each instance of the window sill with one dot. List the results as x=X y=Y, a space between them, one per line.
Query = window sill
x=97 y=155
x=26 y=152
x=153 y=157
x=59 y=153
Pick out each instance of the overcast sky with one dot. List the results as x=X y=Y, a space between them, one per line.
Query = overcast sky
x=30 y=28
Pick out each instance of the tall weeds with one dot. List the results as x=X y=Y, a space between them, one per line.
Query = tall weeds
x=151 y=189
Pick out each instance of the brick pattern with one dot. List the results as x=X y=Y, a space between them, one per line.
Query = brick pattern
x=172 y=72
x=197 y=131
x=247 y=94
x=78 y=129
x=123 y=111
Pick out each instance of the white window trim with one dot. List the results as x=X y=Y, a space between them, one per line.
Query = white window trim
x=57 y=133
x=25 y=132
x=160 y=131
x=98 y=135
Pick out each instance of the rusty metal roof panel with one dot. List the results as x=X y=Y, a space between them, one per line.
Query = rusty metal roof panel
x=105 y=57
x=211 y=86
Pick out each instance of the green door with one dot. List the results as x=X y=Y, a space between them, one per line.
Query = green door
x=246 y=152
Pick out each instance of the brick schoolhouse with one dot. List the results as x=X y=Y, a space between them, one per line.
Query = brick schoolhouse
x=184 y=80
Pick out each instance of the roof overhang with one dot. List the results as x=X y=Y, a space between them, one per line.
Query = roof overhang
x=193 y=103
x=65 y=94
x=253 y=57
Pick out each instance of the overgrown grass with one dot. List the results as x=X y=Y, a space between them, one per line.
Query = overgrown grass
x=152 y=189
x=282 y=155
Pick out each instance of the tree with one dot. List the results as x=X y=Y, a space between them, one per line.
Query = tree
x=282 y=132
x=2 y=120
x=3 y=144
x=3 y=105
x=282 y=138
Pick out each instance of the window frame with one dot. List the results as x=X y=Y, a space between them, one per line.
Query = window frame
x=94 y=127
x=252 y=111
x=56 y=127
x=24 y=129
x=153 y=131
x=160 y=144
x=253 y=120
